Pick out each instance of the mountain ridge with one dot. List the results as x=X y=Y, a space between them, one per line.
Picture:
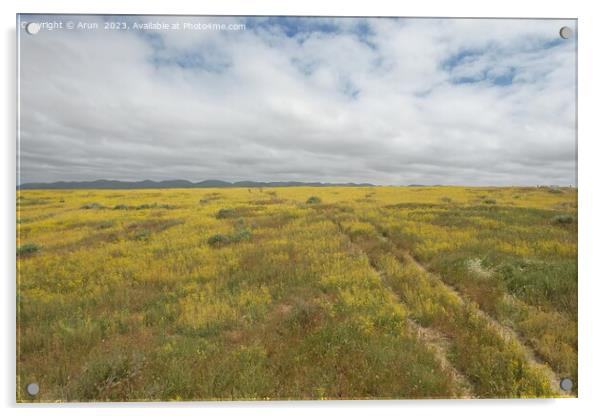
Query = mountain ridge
x=175 y=183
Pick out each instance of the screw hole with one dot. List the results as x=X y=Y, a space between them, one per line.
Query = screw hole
x=566 y=384
x=32 y=389
x=566 y=32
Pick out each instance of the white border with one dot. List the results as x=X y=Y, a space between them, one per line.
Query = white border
x=590 y=191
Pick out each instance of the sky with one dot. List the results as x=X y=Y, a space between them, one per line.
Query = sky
x=389 y=101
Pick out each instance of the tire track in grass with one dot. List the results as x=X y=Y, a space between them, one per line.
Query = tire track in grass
x=432 y=339
x=509 y=334
x=493 y=358
x=549 y=335
x=536 y=345
x=439 y=346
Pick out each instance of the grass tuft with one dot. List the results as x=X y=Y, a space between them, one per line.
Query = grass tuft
x=92 y=205
x=225 y=213
x=313 y=200
x=218 y=240
x=27 y=249
x=563 y=219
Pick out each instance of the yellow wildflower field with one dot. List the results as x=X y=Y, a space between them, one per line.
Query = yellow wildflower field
x=296 y=293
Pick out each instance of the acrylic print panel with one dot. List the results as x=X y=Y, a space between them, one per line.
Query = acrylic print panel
x=235 y=208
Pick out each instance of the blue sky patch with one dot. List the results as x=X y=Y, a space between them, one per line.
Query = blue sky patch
x=461 y=57
x=192 y=60
x=293 y=26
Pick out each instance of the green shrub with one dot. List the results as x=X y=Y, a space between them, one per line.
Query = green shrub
x=105 y=224
x=225 y=213
x=146 y=206
x=142 y=234
x=313 y=200
x=209 y=197
x=489 y=201
x=92 y=205
x=241 y=234
x=143 y=206
x=28 y=248
x=218 y=240
x=563 y=219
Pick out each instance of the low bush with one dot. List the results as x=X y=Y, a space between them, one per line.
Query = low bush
x=142 y=234
x=218 y=240
x=563 y=219
x=241 y=234
x=92 y=205
x=28 y=248
x=105 y=224
x=143 y=206
x=225 y=213
x=313 y=200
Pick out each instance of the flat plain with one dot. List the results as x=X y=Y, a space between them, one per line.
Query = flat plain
x=296 y=293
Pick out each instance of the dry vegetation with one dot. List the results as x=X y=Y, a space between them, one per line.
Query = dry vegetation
x=304 y=293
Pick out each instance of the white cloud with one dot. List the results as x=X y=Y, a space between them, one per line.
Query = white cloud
x=388 y=101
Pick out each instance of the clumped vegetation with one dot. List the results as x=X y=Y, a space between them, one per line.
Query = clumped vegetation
x=555 y=190
x=144 y=206
x=225 y=213
x=384 y=292
x=142 y=230
x=563 y=219
x=313 y=200
x=211 y=196
x=241 y=233
x=92 y=205
x=218 y=240
x=28 y=248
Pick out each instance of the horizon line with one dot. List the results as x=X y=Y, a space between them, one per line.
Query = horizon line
x=216 y=183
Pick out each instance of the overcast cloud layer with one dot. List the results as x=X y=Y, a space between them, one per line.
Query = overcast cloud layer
x=386 y=101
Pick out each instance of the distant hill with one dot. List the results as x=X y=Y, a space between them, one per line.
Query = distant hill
x=178 y=183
